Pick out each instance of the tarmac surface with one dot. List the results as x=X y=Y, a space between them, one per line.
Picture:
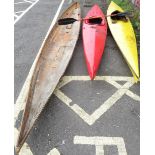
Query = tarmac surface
x=82 y=117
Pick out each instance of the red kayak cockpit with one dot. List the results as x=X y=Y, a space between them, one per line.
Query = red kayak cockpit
x=94 y=20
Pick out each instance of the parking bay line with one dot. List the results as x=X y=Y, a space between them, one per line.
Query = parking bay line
x=24 y=12
x=100 y=142
x=54 y=152
x=110 y=79
x=90 y=119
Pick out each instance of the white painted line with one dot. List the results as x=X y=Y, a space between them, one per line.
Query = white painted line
x=28 y=1
x=25 y=150
x=57 y=14
x=85 y=78
x=100 y=142
x=19 y=12
x=111 y=101
x=77 y=109
x=15 y=16
x=63 y=82
x=129 y=93
x=54 y=152
x=19 y=3
x=133 y=96
x=90 y=119
x=110 y=79
x=24 y=12
x=99 y=150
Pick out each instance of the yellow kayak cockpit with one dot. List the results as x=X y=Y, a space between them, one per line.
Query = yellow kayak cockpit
x=115 y=16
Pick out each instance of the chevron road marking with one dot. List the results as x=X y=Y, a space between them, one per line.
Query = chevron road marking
x=90 y=119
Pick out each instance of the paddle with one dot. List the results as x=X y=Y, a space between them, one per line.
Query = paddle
x=98 y=20
x=120 y=14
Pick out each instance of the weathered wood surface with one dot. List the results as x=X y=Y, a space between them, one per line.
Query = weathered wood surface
x=50 y=64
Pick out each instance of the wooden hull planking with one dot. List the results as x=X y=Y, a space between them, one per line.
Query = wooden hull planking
x=52 y=62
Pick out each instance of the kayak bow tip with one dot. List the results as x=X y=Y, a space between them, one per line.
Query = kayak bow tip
x=92 y=75
x=17 y=149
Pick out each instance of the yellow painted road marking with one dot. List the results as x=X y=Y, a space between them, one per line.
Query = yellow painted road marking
x=100 y=142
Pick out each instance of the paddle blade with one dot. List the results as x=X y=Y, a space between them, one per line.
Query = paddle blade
x=124 y=14
x=66 y=21
x=117 y=15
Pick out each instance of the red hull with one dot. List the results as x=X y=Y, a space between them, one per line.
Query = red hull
x=94 y=37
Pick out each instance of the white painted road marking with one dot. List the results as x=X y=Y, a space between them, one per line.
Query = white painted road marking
x=90 y=119
x=18 y=12
x=19 y=2
x=25 y=11
x=54 y=152
x=24 y=1
x=99 y=150
x=25 y=150
x=28 y=1
x=100 y=142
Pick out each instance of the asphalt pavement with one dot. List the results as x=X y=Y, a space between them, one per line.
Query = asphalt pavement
x=83 y=117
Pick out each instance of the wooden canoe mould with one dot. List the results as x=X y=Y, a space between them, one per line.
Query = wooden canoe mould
x=50 y=64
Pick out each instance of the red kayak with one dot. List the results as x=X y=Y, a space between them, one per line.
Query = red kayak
x=94 y=37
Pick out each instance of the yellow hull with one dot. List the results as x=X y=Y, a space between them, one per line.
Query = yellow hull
x=124 y=36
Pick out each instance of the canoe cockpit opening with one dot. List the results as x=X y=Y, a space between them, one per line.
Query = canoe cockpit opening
x=116 y=17
x=97 y=20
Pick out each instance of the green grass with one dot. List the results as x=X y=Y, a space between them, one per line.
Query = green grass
x=126 y=5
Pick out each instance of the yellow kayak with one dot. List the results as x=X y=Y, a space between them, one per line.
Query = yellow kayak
x=124 y=36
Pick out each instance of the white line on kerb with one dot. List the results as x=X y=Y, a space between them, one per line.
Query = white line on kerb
x=17 y=19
